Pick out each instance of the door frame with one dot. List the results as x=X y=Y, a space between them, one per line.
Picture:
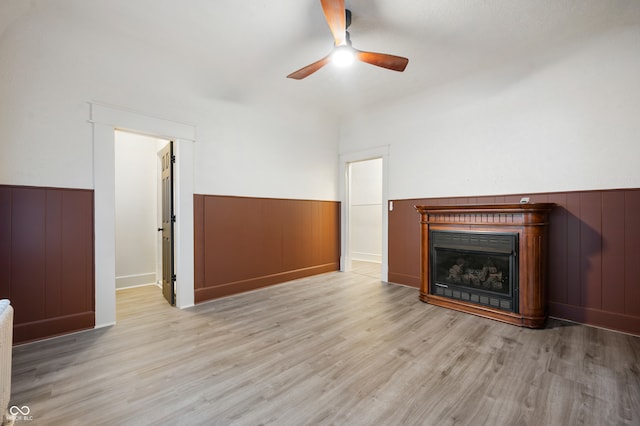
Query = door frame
x=345 y=210
x=105 y=119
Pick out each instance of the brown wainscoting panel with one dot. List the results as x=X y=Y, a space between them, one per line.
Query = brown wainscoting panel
x=594 y=241
x=404 y=244
x=47 y=259
x=244 y=243
x=5 y=242
x=631 y=250
x=613 y=241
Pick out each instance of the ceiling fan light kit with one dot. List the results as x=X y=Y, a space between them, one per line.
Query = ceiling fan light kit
x=338 y=18
x=342 y=56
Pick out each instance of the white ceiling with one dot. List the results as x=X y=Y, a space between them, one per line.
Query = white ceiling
x=246 y=48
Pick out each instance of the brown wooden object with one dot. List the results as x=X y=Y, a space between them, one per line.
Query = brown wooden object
x=245 y=243
x=47 y=259
x=529 y=221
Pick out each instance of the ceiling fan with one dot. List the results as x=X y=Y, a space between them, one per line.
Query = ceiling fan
x=338 y=18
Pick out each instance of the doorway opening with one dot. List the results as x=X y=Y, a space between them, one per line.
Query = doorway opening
x=105 y=119
x=139 y=208
x=364 y=198
x=365 y=217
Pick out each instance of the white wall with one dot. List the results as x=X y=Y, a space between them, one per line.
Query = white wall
x=136 y=185
x=568 y=123
x=276 y=153
x=51 y=66
x=366 y=210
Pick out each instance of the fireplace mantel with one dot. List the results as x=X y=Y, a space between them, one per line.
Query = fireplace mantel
x=529 y=221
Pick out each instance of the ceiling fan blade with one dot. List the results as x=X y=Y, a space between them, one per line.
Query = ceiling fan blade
x=392 y=62
x=335 y=14
x=309 y=69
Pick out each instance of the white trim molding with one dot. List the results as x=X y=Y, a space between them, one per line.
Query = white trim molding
x=105 y=120
x=344 y=192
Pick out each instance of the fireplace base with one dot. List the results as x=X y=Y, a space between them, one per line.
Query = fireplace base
x=528 y=221
x=485 y=311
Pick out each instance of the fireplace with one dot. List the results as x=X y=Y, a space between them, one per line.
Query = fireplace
x=475 y=267
x=486 y=259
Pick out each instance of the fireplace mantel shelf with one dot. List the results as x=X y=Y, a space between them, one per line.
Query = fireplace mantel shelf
x=529 y=221
x=484 y=207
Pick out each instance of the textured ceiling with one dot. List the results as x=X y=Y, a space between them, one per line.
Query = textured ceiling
x=244 y=49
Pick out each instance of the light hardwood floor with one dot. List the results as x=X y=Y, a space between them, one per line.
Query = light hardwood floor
x=338 y=348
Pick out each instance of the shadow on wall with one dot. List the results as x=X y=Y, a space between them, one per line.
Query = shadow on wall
x=575 y=267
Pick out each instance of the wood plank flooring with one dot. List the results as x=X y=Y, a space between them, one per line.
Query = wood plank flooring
x=334 y=349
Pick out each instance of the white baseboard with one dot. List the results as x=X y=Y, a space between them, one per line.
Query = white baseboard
x=137 y=280
x=367 y=257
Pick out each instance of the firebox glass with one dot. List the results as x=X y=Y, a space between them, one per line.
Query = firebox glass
x=474 y=270
x=475 y=267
